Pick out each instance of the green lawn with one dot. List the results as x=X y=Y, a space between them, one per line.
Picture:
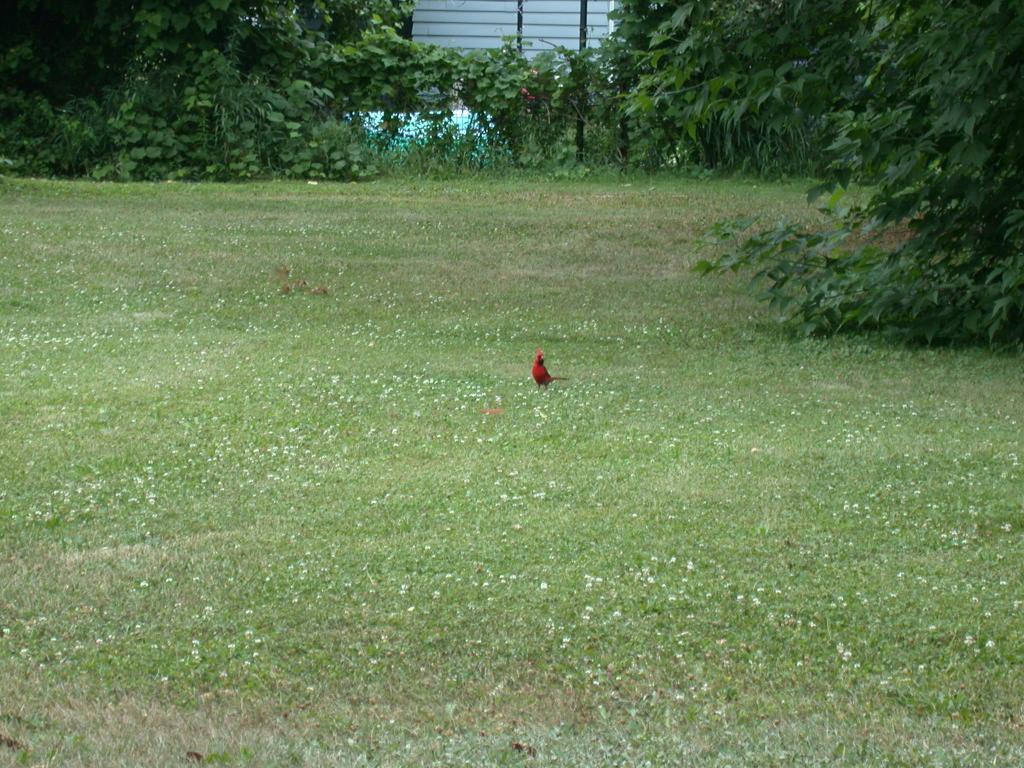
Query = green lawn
x=348 y=529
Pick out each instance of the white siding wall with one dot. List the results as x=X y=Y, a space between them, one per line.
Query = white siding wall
x=549 y=23
x=469 y=24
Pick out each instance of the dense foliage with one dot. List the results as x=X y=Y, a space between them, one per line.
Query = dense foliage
x=743 y=83
x=206 y=89
x=941 y=136
x=932 y=129
x=230 y=89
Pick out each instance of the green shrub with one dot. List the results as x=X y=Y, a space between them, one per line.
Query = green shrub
x=741 y=84
x=222 y=120
x=937 y=138
x=42 y=141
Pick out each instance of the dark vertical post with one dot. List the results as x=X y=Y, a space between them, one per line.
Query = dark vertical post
x=519 y=25
x=581 y=94
x=623 y=124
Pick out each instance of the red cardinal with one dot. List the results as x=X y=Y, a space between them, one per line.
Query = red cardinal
x=540 y=373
